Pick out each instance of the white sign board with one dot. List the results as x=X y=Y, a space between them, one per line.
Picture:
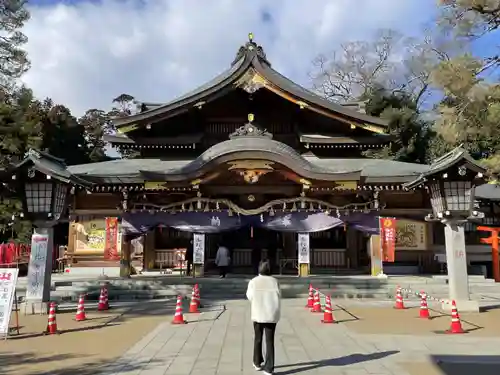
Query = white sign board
x=8 y=280
x=198 y=248
x=36 y=267
x=303 y=245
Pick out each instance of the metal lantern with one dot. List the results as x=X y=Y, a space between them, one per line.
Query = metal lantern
x=44 y=197
x=451 y=198
x=44 y=183
x=450 y=182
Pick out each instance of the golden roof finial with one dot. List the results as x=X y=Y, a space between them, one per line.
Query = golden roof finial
x=250 y=37
x=250 y=117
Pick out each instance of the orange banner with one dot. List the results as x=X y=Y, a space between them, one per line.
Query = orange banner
x=111 y=243
x=387 y=227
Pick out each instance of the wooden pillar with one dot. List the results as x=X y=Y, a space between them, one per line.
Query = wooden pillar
x=304 y=254
x=375 y=255
x=125 y=266
x=149 y=250
x=352 y=248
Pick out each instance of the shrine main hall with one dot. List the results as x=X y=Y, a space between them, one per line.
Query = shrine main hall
x=255 y=162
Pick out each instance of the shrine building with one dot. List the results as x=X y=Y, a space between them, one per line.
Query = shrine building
x=253 y=161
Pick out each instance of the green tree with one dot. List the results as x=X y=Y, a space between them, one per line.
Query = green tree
x=63 y=136
x=469 y=115
x=473 y=19
x=13 y=59
x=96 y=124
x=411 y=133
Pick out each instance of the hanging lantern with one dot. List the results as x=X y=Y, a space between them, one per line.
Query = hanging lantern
x=198 y=205
x=191 y=207
x=294 y=207
x=261 y=218
x=271 y=212
x=284 y=206
x=207 y=207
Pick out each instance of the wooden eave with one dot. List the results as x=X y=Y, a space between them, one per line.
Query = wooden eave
x=252 y=67
x=333 y=141
x=122 y=140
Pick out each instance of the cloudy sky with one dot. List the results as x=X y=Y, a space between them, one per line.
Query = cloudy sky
x=86 y=52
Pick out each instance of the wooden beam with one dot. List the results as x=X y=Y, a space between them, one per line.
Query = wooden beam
x=250 y=189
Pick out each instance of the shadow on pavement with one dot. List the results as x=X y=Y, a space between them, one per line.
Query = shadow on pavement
x=467 y=364
x=334 y=362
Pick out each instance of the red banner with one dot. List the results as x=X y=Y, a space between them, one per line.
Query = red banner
x=387 y=227
x=111 y=244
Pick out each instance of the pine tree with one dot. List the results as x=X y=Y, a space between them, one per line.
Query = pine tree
x=13 y=59
x=411 y=133
x=20 y=129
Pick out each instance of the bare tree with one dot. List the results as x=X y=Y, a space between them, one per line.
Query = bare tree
x=389 y=60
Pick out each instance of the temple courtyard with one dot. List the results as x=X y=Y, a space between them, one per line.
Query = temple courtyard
x=370 y=338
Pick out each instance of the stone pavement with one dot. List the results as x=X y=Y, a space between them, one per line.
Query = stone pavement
x=221 y=343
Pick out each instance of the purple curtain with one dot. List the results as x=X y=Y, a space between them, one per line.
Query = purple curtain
x=214 y=222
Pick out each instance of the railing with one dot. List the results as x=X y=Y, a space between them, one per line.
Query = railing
x=328 y=258
x=168 y=258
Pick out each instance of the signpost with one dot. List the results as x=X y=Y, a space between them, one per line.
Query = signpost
x=8 y=280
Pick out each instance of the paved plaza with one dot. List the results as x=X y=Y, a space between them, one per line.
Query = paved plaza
x=220 y=342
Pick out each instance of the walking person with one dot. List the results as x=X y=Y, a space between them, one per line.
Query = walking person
x=222 y=260
x=264 y=294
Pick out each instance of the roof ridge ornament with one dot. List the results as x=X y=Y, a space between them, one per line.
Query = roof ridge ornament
x=251 y=50
x=250 y=130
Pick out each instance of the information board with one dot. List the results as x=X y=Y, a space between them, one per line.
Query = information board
x=303 y=245
x=8 y=280
x=198 y=248
x=36 y=267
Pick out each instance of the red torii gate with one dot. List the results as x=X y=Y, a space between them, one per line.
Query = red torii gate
x=493 y=241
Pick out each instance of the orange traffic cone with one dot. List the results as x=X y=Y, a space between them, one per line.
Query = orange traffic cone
x=52 y=323
x=198 y=295
x=103 y=300
x=317 y=303
x=178 y=317
x=456 y=325
x=399 y=300
x=193 y=306
x=328 y=315
x=424 y=309
x=80 y=310
x=310 y=298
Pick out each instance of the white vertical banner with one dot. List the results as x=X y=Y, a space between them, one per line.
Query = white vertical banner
x=37 y=267
x=8 y=280
x=198 y=248
x=303 y=248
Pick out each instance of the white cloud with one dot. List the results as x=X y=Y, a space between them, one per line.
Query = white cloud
x=84 y=55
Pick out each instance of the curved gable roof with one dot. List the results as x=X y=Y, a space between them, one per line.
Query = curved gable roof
x=249 y=56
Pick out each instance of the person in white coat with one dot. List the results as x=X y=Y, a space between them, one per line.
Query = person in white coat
x=264 y=294
x=222 y=260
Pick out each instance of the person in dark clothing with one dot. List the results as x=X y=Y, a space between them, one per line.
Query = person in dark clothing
x=189 y=257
